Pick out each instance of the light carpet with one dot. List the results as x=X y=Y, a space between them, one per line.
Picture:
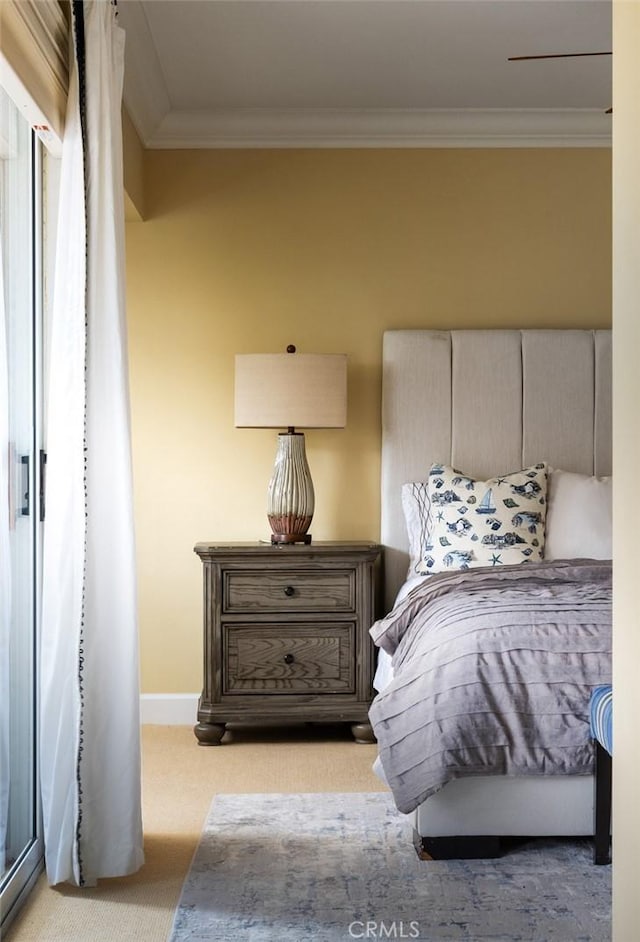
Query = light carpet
x=333 y=867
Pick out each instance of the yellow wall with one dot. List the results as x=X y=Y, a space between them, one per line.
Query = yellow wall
x=132 y=169
x=247 y=251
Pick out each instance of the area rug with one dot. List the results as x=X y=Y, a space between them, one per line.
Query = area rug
x=334 y=867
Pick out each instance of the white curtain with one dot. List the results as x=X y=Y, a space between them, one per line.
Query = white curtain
x=5 y=574
x=89 y=705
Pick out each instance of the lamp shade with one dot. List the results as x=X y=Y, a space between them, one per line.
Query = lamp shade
x=284 y=390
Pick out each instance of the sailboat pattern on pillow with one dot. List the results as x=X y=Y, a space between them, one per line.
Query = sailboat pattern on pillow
x=472 y=523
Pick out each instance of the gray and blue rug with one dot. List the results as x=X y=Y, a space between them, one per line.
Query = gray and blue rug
x=334 y=867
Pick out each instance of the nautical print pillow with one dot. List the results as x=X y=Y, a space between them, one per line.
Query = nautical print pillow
x=498 y=522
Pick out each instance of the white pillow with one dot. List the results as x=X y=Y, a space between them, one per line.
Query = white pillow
x=497 y=522
x=415 y=504
x=579 y=522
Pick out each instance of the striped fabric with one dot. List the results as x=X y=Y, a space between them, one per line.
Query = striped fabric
x=601 y=716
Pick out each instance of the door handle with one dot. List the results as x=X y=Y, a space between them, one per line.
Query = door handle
x=25 y=486
x=43 y=474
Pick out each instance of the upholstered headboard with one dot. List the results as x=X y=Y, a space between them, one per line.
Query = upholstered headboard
x=488 y=402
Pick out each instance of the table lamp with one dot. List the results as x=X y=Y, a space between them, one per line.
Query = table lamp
x=276 y=390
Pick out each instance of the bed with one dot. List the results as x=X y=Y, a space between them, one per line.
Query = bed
x=488 y=403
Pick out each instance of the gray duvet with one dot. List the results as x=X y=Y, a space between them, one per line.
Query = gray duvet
x=493 y=671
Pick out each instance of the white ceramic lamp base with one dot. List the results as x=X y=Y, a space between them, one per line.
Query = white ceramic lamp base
x=290 y=498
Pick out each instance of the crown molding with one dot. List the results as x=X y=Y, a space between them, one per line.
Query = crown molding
x=383 y=128
x=145 y=91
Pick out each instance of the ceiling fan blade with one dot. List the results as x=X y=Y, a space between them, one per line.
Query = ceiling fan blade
x=558 y=55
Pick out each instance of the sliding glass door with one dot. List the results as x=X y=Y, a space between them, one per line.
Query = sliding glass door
x=20 y=461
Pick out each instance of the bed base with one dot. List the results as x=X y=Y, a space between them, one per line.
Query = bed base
x=481 y=816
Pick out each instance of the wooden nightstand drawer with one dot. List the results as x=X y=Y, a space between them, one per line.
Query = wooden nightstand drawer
x=262 y=590
x=289 y=659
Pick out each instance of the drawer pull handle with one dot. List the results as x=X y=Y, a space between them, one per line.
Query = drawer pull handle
x=289 y=658
x=289 y=591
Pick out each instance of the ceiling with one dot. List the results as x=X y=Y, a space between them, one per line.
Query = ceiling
x=314 y=73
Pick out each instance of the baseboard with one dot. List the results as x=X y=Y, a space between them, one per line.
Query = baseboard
x=169 y=709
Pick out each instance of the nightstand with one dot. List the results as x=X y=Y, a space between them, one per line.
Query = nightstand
x=286 y=635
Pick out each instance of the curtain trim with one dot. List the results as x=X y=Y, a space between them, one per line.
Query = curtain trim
x=80 y=54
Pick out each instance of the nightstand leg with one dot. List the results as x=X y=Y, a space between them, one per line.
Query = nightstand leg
x=362 y=732
x=209 y=734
